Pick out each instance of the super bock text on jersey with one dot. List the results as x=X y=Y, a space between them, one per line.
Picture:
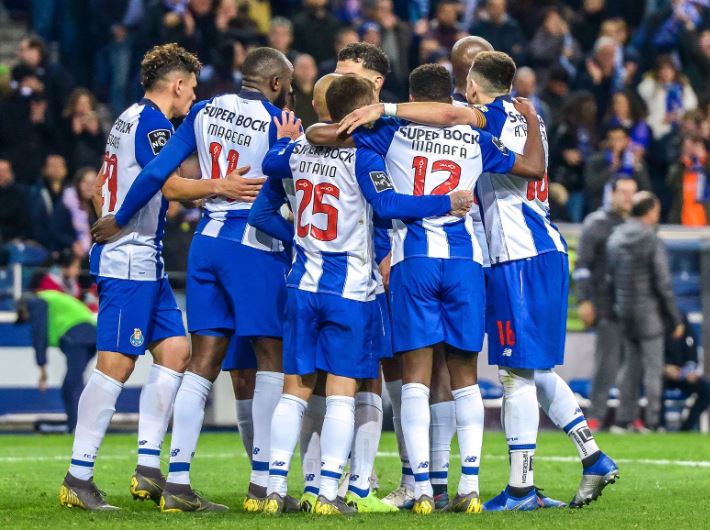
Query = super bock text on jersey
x=230 y=266
x=331 y=308
x=136 y=303
x=528 y=281
x=437 y=279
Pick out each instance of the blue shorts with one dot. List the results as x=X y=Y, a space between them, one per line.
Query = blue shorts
x=437 y=300
x=240 y=355
x=235 y=289
x=527 y=312
x=133 y=314
x=329 y=333
x=382 y=332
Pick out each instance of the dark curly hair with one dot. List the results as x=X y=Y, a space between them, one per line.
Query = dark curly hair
x=159 y=61
x=430 y=82
x=371 y=57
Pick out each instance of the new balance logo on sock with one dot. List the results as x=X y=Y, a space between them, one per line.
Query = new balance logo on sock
x=175 y=452
x=423 y=465
x=278 y=463
x=469 y=459
x=256 y=451
x=142 y=442
x=527 y=466
x=310 y=477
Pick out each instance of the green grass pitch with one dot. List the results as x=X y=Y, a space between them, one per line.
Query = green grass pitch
x=665 y=483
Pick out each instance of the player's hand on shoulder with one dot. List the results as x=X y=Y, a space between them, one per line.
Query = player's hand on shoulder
x=525 y=107
x=288 y=126
x=104 y=229
x=236 y=186
x=461 y=202
x=361 y=116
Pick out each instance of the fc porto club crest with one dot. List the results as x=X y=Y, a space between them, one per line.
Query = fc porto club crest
x=137 y=339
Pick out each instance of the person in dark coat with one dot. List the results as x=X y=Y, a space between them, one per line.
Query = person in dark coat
x=50 y=218
x=595 y=296
x=645 y=307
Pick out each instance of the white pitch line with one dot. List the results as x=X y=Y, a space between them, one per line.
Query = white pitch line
x=384 y=454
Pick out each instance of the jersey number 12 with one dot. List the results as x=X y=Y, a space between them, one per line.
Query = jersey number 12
x=420 y=164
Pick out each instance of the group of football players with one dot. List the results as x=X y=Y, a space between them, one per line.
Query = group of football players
x=289 y=285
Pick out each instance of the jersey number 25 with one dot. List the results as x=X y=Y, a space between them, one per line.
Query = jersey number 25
x=316 y=193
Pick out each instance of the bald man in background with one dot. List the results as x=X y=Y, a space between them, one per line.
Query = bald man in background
x=462 y=55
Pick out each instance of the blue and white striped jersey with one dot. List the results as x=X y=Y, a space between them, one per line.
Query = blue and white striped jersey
x=230 y=131
x=136 y=137
x=516 y=212
x=334 y=193
x=478 y=229
x=425 y=160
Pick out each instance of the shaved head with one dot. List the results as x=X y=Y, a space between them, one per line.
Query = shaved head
x=268 y=71
x=265 y=63
x=319 y=90
x=462 y=55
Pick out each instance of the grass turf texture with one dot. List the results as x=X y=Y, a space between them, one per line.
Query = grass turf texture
x=649 y=494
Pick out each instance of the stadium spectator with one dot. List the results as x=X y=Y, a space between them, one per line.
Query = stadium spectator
x=689 y=186
x=343 y=37
x=280 y=36
x=525 y=85
x=396 y=36
x=115 y=24
x=15 y=231
x=696 y=60
x=556 y=91
x=643 y=304
x=50 y=219
x=81 y=130
x=553 y=44
x=445 y=26
x=27 y=129
x=595 y=296
x=14 y=222
x=314 y=29
x=628 y=110
x=682 y=372
x=56 y=81
x=77 y=199
x=224 y=75
x=61 y=321
x=369 y=32
x=618 y=160
x=500 y=29
x=305 y=74
x=667 y=94
x=587 y=23
x=169 y=21
x=574 y=141
x=603 y=73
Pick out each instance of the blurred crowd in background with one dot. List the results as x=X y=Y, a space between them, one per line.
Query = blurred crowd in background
x=623 y=86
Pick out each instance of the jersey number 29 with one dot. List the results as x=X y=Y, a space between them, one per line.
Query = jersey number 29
x=109 y=174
